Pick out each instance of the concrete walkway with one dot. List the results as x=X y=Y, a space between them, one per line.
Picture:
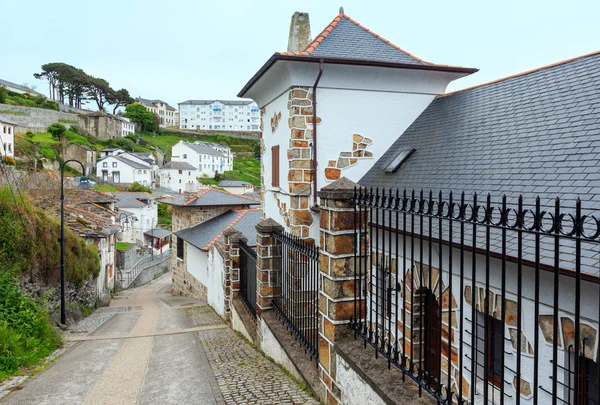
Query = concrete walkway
x=148 y=352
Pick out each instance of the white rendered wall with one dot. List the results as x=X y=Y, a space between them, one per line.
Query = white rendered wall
x=7 y=140
x=186 y=181
x=355 y=390
x=214 y=285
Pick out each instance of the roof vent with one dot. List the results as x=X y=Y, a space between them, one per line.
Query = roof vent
x=399 y=160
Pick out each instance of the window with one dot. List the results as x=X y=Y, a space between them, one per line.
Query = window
x=180 y=171
x=275 y=166
x=114 y=164
x=185 y=155
x=104 y=164
x=490 y=347
x=180 y=248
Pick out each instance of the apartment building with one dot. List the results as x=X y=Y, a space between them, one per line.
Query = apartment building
x=167 y=114
x=230 y=115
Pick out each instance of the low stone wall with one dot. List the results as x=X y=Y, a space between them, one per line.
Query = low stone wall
x=151 y=273
x=36 y=119
x=237 y=134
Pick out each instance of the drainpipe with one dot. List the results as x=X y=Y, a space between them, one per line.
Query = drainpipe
x=315 y=164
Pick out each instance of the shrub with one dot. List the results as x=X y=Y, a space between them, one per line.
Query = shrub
x=136 y=186
x=29 y=134
x=9 y=161
x=57 y=130
x=125 y=144
x=74 y=129
x=3 y=94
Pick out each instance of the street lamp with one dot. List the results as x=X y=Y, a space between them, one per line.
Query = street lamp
x=82 y=181
x=121 y=215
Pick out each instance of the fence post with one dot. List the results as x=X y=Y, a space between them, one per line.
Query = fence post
x=267 y=268
x=231 y=278
x=338 y=253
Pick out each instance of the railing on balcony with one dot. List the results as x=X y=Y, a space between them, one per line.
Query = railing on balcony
x=247 y=292
x=480 y=302
x=297 y=304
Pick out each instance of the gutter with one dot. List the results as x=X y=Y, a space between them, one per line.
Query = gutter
x=315 y=163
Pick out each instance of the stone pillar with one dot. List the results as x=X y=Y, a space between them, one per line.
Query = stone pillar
x=267 y=267
x=299 y=32
x=337 y=257
x=231 y=276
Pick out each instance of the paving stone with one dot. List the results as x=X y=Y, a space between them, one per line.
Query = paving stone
x=244 y=375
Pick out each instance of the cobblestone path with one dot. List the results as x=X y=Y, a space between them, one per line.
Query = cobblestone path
x=244 y=375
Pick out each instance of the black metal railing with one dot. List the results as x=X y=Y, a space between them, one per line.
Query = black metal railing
x=296 y=304
x=480 y=302
x=247 y=292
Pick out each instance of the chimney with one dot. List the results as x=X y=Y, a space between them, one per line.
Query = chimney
x=299 y=32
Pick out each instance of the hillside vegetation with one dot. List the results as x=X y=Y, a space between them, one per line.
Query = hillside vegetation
x=29 y=243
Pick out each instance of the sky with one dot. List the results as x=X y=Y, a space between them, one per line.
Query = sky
x=198 y=49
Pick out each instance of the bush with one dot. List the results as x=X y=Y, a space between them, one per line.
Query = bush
x=3 y=94
x=26 y=335
x=9 y=161
x=57 y=130
x=29 y=134
x=135 y=186
x=217 y=177
x=125 y=144
x=74 y=129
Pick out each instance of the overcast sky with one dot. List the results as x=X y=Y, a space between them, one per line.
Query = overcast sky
x=198 y=49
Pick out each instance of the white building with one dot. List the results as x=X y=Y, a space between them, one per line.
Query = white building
x=236 y=115
x=143 y=210
x=166 y=113
x=7 y=137
x=236 y=186
x=209 y=158
x=119 y=167
x=179 y=177
x=127 y=127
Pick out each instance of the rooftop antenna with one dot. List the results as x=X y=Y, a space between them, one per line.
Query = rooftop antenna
x=341 y=10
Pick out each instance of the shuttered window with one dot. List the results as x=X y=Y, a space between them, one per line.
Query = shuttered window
x=275 y=166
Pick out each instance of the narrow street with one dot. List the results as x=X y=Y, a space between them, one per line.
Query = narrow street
x=150 y=347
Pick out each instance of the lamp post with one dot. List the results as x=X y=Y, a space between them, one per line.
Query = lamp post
x=154 y=221
x=63 y=303
x=121 y=215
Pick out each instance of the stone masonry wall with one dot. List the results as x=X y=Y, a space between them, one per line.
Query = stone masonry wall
x=299 y=154
x=35 y=119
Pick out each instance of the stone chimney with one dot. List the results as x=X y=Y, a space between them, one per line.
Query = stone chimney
x=299 y=32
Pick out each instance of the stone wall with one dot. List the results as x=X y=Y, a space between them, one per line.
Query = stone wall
x=36 y=119
x=101 y=126
x=151 y=273
x=193 y=134
x=83 y=154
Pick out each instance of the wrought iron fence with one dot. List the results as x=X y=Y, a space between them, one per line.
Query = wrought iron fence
x=247 y=292
x=297 y=303
x=480 y=302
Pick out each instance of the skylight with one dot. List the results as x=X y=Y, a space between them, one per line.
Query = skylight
x=399 y=160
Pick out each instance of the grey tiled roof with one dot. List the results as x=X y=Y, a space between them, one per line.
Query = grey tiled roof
x=536 y=134
x=131 y=163
x=205 y=150
x=178 y=166
x=151 y=103
x=209 y=197
x=232 y=183
x=131 y=199
x=18 y=86
x=158 y=233
x=225 y=102
x=6 y=120
x=204 y=235
x=349 y=40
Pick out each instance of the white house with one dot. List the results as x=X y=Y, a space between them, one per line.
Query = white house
x=124 y=168
x=363 y=93
x=230 y=115
x=179 y=177
x=236 y=187
x=166 y=113
x=209 y=158
x=141 y=213
x=127 y=126
x=18 y=88
x=7 y=137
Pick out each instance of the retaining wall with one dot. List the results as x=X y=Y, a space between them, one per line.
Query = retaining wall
x=35 y=119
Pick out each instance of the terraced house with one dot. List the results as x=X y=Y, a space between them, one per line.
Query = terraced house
x=457 y=233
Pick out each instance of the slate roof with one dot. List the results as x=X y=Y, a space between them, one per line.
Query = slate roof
x=18 y=86
x=534 y=134
x=232 y=183
x=204 y=235
x=6 y=120
x=345 y=41
x=209 y=197
x=151 y=103
x=129 y=162
x=203 y=149
x=178 y=166
x=132 y=199
x=158 y=233
x=225 y=102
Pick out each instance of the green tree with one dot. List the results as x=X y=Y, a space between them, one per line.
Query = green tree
x=98 y=90
x=136 y=186
x=119 y=98
x=256 y=149
x=139 y=113
x=3 y=94
x=57 y=130
x=125 y=144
